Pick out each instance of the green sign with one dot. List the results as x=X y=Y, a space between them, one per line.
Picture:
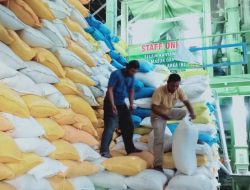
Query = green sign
x=158 y=53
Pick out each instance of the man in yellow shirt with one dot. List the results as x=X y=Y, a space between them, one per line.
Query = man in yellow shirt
x=163 y=102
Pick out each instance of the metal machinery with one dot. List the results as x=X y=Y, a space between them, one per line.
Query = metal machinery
x=224 y=26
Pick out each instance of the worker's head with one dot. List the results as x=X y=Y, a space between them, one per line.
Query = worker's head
x=173 y=82
x=132 y=67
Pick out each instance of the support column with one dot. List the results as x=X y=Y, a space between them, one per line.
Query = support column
x=207 y=31
x=233 y=26
x=111 y=15
x=124 y=21
x=240 y=134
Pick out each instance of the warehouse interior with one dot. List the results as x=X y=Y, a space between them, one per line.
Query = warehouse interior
x=206 y=42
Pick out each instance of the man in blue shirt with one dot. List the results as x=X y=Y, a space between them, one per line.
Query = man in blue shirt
x=116 y=112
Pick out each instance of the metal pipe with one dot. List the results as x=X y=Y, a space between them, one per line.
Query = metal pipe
x=98 y=10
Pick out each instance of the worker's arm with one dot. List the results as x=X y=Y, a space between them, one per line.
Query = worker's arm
x=131 y=94
x=111 y=99
x=190 y=108
x=159 y=110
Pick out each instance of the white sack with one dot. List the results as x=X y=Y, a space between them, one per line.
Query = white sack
x=9 y=58
x=28 y=182
x=107 y=179
x=81 y=183
x=22 y=84
x=86 y=152
x=86 y=94
x=76 y=16
x=39 y=73
x=151 y=79
x=9 y=20
x=24 y=127
x=34 y=38
x=6 y=72
x=53 y=34
x=53 y=95
x=147 y=180
x=183 y=182
x=184 y=145
x=39 y=146
x=48 y=168
x=57 y=9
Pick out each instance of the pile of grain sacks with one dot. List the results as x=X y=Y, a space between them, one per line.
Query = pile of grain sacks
x=54 y=71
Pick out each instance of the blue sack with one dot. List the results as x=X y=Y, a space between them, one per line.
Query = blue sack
x=92 y=21
x=145 y=92
x=114 y=55
x=204 y=137
x=138 y=85
x=104 y=30
x=97 y=35
x=136 y=120
x=145 y=66
x=116 y=64
x=142 y=112
x=172 y=127
x=115 y=39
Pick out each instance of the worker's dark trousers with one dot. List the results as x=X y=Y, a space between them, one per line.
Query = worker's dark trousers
x=122 y=120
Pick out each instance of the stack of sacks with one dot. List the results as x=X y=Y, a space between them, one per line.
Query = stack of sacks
x=47 y=94
x=196 y=86
x=53 y=79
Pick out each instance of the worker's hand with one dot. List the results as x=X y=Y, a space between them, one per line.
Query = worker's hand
x=192 y=116
x=114 y=110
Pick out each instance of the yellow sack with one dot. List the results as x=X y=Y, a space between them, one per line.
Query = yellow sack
x=48 y=59
x=202 y=117
x=199 y=107
x=39 y=106
x=11 y=102
x=117 y=153
x=100 y=123
x=191 y=73
x=79 y=105
x=85 y=2
x=9 y=151
x=58 y=183
x=24 y=12
x=67 y=87
x=142 y=130
x=75 y=48
x=64 y=151
x=83 y=123
x=168 y=161
x=29 y=161
x=20 y=48
x=144 y=139
x=76 y=169
x=73 y=135
x=41 y=9
x=6 y=186
x=146 y=156
x=99 y=133
x=5 y=124
x=53 y=131
x=107 y=57
x=5 y=173
x=122 y=44
x=125 y=165
x=78 y=77
x=201 y=160
x=100 y=101
x=74 y=27
x=83 y=10
x=99 y=113
x=120 y=50
x=5 y=36
x=64 y=117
